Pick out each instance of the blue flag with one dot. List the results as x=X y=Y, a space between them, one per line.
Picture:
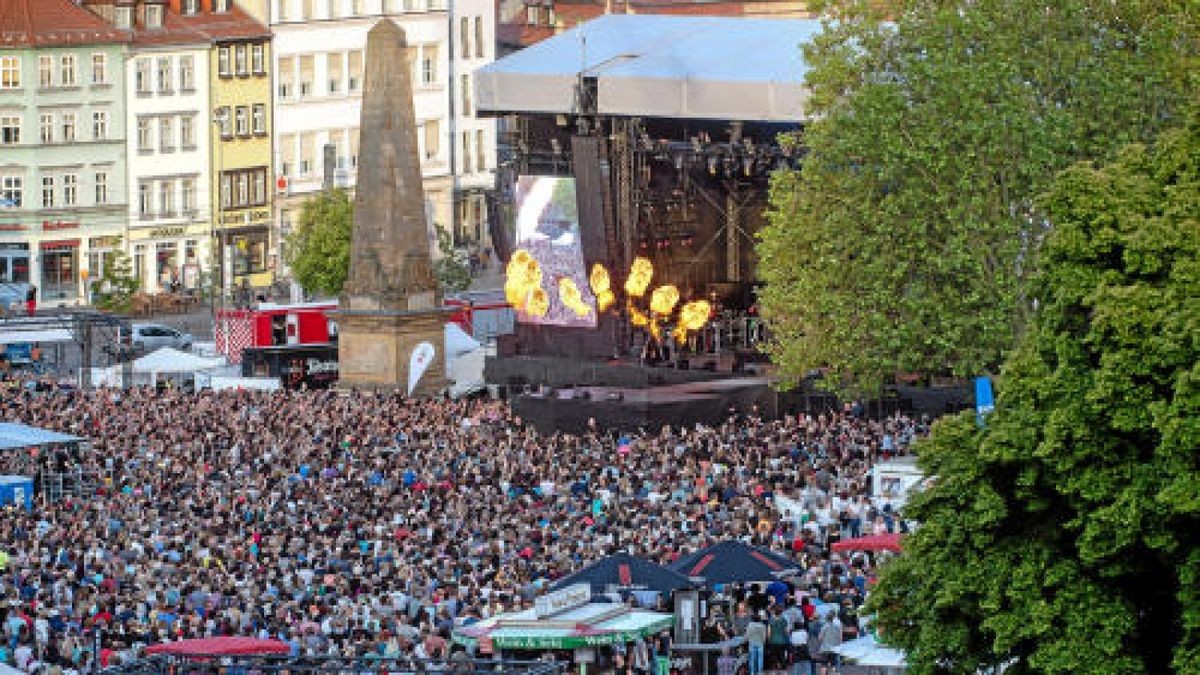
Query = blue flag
x=985 y=402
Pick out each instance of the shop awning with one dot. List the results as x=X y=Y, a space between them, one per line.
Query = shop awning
x=591 y=625
x=873 y=542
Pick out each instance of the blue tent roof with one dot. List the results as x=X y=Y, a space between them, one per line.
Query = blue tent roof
x=625 y=572
x=15 y=436
x=734 y=561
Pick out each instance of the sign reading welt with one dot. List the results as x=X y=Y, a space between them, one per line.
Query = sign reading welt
x=558 y=601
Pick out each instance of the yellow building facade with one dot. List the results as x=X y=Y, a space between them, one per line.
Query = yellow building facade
x=242 y=172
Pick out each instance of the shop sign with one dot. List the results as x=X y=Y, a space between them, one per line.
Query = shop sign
x=558 y=601
x=55 y=225
x=245 y=217
x=166 y=232
x=12 y=227
x=104 y=242
x=318 y=367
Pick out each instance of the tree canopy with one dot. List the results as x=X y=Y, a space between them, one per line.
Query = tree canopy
x=318 y=250
x=905 y=241
x=1064 y=537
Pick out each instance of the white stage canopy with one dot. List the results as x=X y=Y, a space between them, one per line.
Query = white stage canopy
x=683 y=67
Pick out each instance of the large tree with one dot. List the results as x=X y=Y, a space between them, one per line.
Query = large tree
x=1064 y=536
x=905 y=241
x=318 y=250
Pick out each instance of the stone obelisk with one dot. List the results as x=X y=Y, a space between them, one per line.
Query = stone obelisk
x=391 y=302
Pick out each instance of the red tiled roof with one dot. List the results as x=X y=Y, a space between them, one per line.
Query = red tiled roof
x=53 y=23
x=571 y=13
x=235 y=24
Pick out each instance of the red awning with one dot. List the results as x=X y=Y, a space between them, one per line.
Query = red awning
x=219 y=646
x=874 y=542
x=60 y=243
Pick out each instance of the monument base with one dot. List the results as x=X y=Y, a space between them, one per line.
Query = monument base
x=375 y=349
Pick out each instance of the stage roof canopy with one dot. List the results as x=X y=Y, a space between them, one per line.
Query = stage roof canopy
x=683 y=67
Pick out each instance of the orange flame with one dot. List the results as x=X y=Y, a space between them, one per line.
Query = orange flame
x=569 y=295
x=601 y=284
x=664 y=299
x=640 y=274
x=539 y=302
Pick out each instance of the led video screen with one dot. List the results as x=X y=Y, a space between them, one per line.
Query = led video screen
x=547 y=229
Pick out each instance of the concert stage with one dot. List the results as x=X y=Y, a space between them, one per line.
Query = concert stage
x=627 y=409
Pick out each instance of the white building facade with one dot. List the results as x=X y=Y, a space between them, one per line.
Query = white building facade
x=319 y=51
x=168 y=145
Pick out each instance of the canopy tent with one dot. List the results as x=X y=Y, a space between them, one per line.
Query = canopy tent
x=8 y=337
x=873 y=542
x=589 y=625
x=681 y=67
x=168 y=360
x=14 y=436
x=219 y=646
x=734 y=561
x=623 y=572
x=866 y=652
x=464 y=362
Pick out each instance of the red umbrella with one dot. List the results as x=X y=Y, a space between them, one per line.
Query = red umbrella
x=219 y=646
x=874 y=542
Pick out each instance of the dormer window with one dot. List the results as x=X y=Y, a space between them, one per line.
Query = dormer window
x=124 y=17
x=154 y=16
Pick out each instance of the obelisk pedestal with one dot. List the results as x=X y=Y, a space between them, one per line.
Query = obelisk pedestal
x=391 y=303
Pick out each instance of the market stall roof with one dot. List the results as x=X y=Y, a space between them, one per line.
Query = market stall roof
x=681 y=67
x=734 y=561
x=219 y=646
x=15 y=436
x=168 y=360
x=564 y=619
x=625 y=572
x=873 y=542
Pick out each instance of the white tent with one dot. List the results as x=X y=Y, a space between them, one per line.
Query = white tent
x=464 y=361
x=168 y=360
x=866 y=652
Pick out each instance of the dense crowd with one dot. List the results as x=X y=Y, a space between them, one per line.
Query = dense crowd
x=358 y=523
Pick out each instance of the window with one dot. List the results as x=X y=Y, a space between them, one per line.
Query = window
x=139 y=262
x=466 y=95
x=258 y=61
x=243 y=67
x=101 y=187
x=145 y=205
x=432 y=139
x=429 y=56
x=353 y=147
x=243 y=188
x=187 y=74
x=46 y=127
x=187 y=196
x=466 y=152
x=142 y=76
x=187 y=132
x=287 y=153
x=260 y=118
x=355 y=62
x=480 y=50
x=286 y=72
x=308 y=150
x=99 y=125
x=191 y=6
x=10 y=129
x=10 y=72
x=225 y=122
x=166 y=134
x=66 y=70
x=124 y=17
x=11 y=189
x=154 y=16
x=68 y=127
x=480 y=154
x=99 y=69
x=166 y=198
x=306 y=75
x=464 y=34
x=70 y=187
x=143 y=134
x=45 y=71
x=242 y=118
x=47 y=192
x=226 y=190
x=223 y=62
x=164 y=75
x=531 y=14
x=258 y=186
x=333 y=64
x=220 y=5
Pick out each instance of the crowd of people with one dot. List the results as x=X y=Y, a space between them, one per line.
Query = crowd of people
x=357 y=523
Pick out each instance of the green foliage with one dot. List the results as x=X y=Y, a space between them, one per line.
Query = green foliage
x=904 y=242
x=1065 y=537
x=452 y=269
x=114 y=290
x=318 y=250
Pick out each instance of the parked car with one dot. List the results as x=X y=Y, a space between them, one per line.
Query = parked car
x=151 y=336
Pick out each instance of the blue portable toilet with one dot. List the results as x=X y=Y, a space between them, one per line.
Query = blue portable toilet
x=16 y=490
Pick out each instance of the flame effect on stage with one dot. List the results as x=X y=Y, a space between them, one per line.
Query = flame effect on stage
x=524 y=291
